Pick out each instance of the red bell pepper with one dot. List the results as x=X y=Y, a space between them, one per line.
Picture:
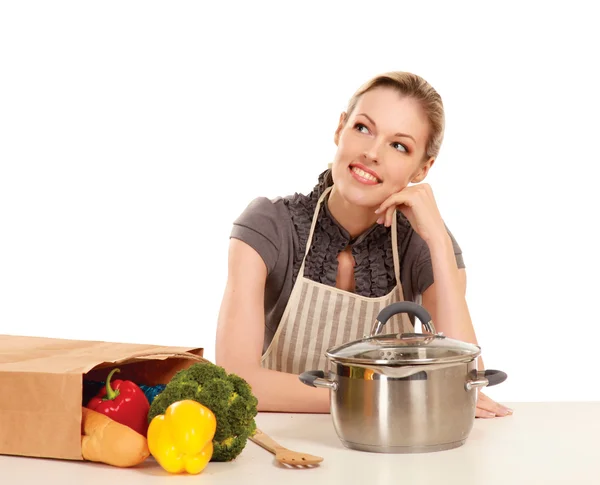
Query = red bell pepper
x=124 y=402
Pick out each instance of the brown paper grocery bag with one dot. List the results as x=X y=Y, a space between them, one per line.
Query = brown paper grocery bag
x=41 y=386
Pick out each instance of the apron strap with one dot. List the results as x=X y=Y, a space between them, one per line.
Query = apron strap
x=312 y=229
x=395 y=249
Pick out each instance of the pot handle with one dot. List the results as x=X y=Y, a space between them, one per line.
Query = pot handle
x=316 y=378
x=488 y=378
x=403 y=307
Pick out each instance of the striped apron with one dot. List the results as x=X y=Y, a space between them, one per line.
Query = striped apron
x=318 y=317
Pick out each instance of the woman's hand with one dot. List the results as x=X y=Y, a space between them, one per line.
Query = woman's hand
x=418 y=205
x=487 y=408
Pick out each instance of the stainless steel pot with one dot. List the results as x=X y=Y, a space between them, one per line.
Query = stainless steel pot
x=403 y=393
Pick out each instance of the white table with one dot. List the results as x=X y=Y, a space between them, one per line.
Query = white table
x=542 y=443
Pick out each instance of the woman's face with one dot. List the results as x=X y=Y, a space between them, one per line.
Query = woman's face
x=381 y=147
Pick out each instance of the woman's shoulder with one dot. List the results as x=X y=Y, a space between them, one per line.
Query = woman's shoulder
x=267 y=226
x=259 y=225
x=277 y=227
x=262 y=210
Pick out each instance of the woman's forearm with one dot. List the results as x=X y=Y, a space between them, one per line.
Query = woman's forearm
x=452 y=311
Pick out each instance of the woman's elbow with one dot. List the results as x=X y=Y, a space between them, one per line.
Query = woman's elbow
x=233 y=363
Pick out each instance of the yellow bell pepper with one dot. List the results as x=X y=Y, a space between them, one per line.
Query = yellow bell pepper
x=181 y=439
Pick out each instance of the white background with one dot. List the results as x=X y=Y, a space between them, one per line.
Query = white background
x=132 y=134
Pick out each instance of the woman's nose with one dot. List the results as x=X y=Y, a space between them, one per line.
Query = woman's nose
x=372 y=149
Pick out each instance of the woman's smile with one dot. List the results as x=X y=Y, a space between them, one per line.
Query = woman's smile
x=363 y=174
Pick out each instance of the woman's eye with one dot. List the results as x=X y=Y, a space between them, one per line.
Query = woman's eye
x=360 y=127
x=399 y=147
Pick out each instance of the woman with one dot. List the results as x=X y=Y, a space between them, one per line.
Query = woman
x=307 y=272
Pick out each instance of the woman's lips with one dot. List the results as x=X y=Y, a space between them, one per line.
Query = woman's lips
x=363 y=175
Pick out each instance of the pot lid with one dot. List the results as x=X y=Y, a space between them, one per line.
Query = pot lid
x=403 y=349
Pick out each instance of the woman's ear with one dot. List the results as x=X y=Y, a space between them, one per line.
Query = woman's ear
x=342 y=122
x=422 y=172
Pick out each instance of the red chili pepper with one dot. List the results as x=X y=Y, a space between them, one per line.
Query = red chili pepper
x=124 y=402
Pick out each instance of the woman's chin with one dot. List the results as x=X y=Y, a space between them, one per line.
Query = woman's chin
x=359 y=196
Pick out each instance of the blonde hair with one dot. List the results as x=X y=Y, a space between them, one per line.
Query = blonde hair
x=416 y=87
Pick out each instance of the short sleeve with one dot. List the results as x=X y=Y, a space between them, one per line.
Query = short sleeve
x=257 y=226
x=423 y=269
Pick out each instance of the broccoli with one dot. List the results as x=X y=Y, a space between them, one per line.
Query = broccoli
x=228 y=396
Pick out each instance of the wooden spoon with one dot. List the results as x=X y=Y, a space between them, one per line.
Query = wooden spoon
x=283 y=455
